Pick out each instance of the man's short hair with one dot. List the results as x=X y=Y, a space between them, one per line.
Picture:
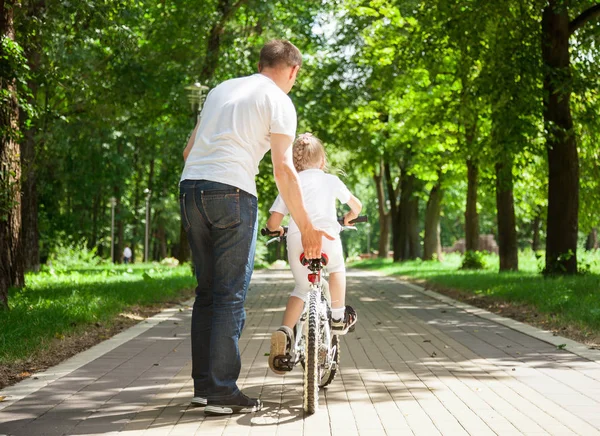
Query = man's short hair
x=278 y=52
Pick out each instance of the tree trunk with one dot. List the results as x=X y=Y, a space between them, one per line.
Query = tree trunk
x=11 y=265
x=95 y=211
x=394 y=210
x=29 y=204
x=563 y=160
x=120 y=232
x=471 y=215
x=408 y=241
x=591 y=243
x=384 y=215
x=535 y=230
x=414 y=241
x=432 y=246
x=401 y=229
x=213 y=48
x=148 y=214
x=505 y=205
x=162 y=241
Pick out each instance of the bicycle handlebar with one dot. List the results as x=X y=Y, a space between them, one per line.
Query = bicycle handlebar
x=359 y=219
x=267 y=232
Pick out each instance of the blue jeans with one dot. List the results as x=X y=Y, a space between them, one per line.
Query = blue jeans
x=220 y=221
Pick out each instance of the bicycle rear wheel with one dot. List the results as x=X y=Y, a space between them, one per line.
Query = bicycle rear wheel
x=311 y=367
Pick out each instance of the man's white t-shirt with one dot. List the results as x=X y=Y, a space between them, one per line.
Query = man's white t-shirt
x=236 y=123
x=127 y=252
x=320 y=191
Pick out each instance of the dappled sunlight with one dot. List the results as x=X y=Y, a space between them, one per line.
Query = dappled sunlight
x=369 y=299
x=408 y=350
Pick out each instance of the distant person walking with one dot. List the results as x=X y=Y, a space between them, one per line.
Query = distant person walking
x=241 y=120
x=127 y=254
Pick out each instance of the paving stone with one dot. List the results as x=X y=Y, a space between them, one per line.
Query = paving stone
x=417 y=364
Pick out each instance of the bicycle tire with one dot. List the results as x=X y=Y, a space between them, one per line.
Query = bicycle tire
x=311 y=367
x=330 y=373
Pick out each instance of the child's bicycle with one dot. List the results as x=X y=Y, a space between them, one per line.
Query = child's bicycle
x=316 y=348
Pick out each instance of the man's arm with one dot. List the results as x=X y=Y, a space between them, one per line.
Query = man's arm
x=288 y=184
x=190 y=143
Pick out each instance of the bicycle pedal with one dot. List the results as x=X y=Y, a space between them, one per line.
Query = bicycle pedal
x=283 y=363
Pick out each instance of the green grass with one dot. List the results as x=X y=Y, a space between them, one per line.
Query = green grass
x=54 y=304
x=573 y=300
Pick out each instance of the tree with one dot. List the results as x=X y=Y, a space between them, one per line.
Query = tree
x=563 y=159
x=11 y=62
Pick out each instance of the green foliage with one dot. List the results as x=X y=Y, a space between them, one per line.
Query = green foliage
x=473 y=260
x=65 y=257
x=113 y=106
x=420 y=86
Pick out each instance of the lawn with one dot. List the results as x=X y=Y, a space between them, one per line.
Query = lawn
x=56 y=303
x=572 y=301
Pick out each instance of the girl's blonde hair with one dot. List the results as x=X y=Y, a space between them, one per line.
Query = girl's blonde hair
x=308 y=152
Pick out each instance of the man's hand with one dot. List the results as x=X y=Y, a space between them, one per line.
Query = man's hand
x=312 y=240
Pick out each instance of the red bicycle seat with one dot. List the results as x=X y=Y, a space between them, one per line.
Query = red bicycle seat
x=324 y=259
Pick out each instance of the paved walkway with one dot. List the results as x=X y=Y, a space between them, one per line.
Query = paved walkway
x=417 y=364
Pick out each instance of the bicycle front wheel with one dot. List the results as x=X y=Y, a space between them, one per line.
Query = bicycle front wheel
x=311 y=367
x=329 y=372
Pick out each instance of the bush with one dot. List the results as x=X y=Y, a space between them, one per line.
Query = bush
x=169 y=261
x=473 y=260
x=65 y=257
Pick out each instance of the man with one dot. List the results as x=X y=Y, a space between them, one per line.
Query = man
x=241 y=120
x=127 y=254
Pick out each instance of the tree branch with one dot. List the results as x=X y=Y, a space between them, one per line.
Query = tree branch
x=232 y=10
x=587 y=15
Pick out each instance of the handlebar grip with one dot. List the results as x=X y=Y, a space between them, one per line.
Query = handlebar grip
x=358 y=219
x=267 y=232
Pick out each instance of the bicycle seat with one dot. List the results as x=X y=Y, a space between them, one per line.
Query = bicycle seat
x=324 y=259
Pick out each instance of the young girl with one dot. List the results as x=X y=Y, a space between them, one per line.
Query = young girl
x=320 y=191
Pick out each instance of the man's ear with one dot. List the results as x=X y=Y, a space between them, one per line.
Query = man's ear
x=294 y=71
x=259 y=67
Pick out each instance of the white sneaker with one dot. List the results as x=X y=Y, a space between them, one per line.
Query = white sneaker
x=343 y=326
x=281 y=343
x=198 y=402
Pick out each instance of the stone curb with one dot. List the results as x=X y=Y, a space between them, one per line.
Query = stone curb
x=543 y=335
x=39 y=380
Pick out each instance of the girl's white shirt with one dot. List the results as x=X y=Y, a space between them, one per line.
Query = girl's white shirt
x=235 y=129
x=320 y=191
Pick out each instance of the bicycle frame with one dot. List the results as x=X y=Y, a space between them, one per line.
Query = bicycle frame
x=319 y=287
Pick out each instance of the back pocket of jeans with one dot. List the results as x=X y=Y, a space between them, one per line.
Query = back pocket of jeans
x=222 y=208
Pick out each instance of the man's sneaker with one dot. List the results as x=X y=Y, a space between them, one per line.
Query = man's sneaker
x=341 y=327
x=281 y=344
x=198 y=402
x=240 y=404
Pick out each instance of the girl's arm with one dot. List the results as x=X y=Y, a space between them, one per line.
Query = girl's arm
x=355 y=208
x=274 y=222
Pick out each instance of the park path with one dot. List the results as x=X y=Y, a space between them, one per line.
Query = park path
x=418 y=363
